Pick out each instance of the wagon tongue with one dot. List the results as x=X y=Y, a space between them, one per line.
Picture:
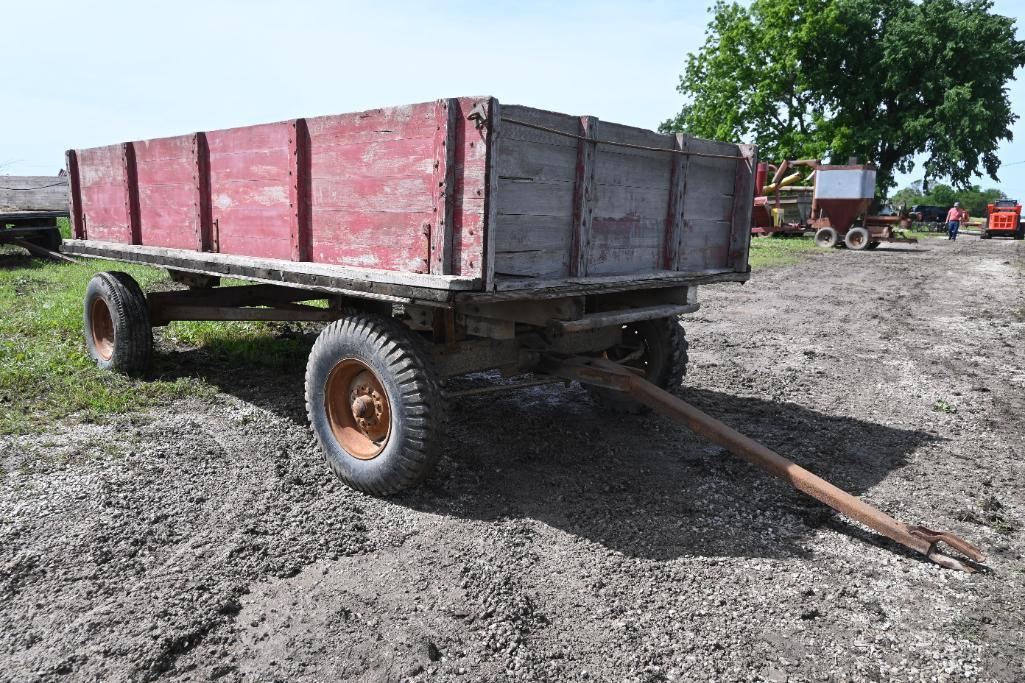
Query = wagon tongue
x=609 y=375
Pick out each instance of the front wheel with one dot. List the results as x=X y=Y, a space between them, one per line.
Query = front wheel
x=118 y=334
x=659 y=348
x=374 y=404
x=827 y=238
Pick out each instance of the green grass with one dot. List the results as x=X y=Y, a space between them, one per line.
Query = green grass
x=780 y=251
x=45 y=373
x=47 y=376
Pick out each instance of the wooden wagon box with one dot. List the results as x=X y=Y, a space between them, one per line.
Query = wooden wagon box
x=457 y=195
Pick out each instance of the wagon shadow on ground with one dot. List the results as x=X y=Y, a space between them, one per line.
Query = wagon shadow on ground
x=638 y=485
x=646 y=487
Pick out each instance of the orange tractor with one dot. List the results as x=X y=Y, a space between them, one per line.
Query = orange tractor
x=1004 y=220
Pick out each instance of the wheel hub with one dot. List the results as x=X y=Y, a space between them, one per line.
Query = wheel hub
x=101 y=325
x=358 y=409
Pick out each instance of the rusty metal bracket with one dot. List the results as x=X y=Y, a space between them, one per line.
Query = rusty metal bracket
x=479 y=115
x=609 y=375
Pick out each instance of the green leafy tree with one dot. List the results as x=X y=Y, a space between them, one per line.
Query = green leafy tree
x=880 y=80
x=973 y=198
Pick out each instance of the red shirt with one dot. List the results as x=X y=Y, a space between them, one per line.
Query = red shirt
x=955 y=214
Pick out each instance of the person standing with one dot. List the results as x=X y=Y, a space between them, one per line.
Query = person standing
x=955 y=217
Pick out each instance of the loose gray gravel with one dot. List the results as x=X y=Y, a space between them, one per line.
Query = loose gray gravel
x=209 y=541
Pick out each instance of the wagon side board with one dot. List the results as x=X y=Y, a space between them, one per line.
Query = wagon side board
x=458 y=194
x=578 y=198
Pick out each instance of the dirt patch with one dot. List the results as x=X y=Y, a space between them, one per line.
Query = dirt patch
x=556 y=542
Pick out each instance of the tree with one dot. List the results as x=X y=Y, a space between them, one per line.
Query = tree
x=882 y=80
x=973 y=199
x=907 y=197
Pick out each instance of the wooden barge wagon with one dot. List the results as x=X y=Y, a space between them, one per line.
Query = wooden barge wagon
x=448 y=238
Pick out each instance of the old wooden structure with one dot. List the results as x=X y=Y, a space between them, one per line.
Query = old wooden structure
x=447 y=237
x=29 y=209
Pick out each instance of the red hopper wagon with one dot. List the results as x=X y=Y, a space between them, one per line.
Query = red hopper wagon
x=447 y=238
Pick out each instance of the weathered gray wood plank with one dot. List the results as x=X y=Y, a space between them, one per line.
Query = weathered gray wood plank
x=297 y=273
x=677 y=194
x=740 y=238
x=533 y=263
x=520 y=159
x=622 y=261
x=706 y=244
x=583 y=196
x=511 y=288
x=615 y=168
x=527 y=198
x=33 y=193
x=516 y=233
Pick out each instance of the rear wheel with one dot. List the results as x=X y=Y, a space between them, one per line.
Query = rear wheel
x=118 y=334
x=984 y=234
x=659 y=348
x=827 y=238
x=373 y=403
x=857 y=239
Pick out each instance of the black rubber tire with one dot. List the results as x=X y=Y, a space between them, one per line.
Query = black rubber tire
x=666 y=344
x=403 y=368
x=984 y=235
x=48 y=238
x=129 y=312
x=857 y=239
x=1019 y=234
x=874 y=244
x=827 y=238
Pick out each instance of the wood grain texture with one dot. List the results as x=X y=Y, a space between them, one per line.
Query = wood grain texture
x=167 y=191
x=583 y=197
x=489 y=228
x=252 y=183
x=33 y=193
x=443 y=186
x=743 y=202
x=74 y=195
x=674 y=217
x=297 y=273
x=103 y=191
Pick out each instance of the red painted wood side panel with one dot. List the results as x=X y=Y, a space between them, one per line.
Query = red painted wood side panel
x=169 y=201
x=370 y=186
x=252 y=189
x=375 y=125
x=104 y=194
x=353 y=189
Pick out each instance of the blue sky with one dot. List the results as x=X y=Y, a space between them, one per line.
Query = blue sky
x=114 y=71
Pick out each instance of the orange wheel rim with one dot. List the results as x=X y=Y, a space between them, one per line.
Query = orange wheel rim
x=357 y=409
x=102 y=325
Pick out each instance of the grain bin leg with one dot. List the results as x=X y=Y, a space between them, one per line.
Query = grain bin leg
x=610 y=375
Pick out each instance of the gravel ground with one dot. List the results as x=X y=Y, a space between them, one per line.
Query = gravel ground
x=555 y=542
